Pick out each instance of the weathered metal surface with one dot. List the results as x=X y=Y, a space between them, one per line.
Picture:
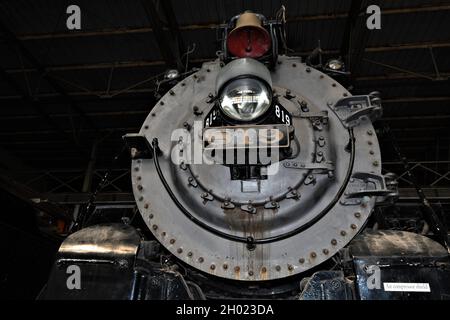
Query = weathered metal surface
x=418 y=266
x=311 y=220
x=113 y=263
x=112 y=243
x=327 y=285
x=395 y=243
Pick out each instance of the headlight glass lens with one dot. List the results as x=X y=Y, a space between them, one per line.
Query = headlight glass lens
x=245 y=99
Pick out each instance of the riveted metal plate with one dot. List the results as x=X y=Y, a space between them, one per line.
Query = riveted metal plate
x=298 y=229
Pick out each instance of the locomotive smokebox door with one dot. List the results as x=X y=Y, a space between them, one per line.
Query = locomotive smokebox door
x=259 y=167
x=214 y=204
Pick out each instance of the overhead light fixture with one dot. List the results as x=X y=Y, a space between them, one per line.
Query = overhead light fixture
x=171 y=74
x=335 y=64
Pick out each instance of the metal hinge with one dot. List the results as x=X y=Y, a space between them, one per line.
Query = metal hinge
x=248 y=208
x=324 y=167
x=363 y=184
x=271 y=205
x=352 y=110
x=318 y=119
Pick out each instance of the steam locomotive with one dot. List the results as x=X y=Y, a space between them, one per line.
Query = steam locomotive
x=256 y=176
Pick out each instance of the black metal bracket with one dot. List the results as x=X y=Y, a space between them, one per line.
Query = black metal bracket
x=369 y=184
x=139 y=146
x=352 y=110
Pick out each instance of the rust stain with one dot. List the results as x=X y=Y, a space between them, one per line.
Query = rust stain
x=237 y=273
x=251 y=225
x=263 y=274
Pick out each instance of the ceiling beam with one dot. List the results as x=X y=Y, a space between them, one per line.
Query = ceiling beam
x=354 y=40
x=97 y=94
x=401 y=76
x=421 y=117
x=81 y=198
x=33 y=132
x=214 y=25
x=167 y=47
x=35 y=105
x=155 y=63
x=415 y=99
x=13 y=41
x=127 y=197
x=350 y=26
x=128 y=112
x=174 y=28
x=10 y=163
x=32 y=197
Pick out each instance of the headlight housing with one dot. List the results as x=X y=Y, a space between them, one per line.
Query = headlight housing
x=245 y=99
x=244 y=89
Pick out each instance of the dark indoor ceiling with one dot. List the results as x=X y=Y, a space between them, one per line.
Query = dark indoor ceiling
x=61 y=91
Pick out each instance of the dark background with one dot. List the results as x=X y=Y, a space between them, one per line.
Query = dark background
x=63 y=92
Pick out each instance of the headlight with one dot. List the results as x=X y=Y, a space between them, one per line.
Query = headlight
x=245 y=99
